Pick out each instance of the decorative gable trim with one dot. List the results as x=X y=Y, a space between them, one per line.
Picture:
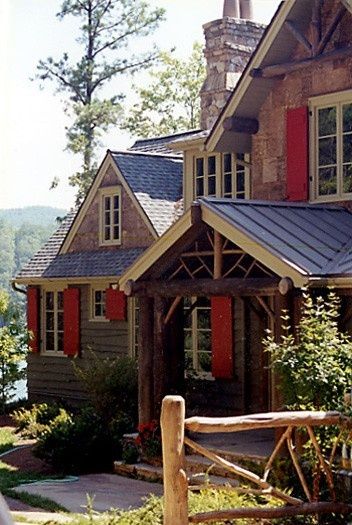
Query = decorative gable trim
x=107 y=163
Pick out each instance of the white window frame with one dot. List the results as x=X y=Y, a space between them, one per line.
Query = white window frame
x=133 y=326
x=55 y=290
x=220 y=175
x=194 y=331
x=92 y=302
x=109 y=192
x=315 y=104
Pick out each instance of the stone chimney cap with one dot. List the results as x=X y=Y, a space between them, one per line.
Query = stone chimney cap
x=238 y=9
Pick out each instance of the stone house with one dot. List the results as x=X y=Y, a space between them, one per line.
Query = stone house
x=258 y=183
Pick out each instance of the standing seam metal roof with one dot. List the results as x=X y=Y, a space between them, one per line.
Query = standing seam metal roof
x=315 y=238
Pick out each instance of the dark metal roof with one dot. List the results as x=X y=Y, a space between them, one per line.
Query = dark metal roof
x=97 y=263
x=160 y=144
x=37 y=265
x=156 y=181
x=316 y=239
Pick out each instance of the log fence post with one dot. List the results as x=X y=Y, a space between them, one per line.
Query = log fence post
x=175 y=479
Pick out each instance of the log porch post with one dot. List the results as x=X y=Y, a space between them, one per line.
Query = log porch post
x=160 y=354
x=145 y=360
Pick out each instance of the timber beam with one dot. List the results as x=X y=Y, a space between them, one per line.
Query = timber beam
x=233 y=287
x=278 y=70
x=250 y=126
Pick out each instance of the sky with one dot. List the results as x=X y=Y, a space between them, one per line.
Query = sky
x=32 y=121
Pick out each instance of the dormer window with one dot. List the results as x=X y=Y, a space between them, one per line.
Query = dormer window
x=206 y=176
x=221 y=175
x=110 y=216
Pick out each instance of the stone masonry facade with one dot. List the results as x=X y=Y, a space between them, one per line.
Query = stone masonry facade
x=229 y=44
x=294 y=91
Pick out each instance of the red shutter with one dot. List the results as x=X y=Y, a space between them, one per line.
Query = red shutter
x=33 y=322
x=116 y=305
x=222 y=337
x=71 y=321
x=297 y=154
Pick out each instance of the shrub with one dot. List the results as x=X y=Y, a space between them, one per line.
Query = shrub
x=112 y=385
x=32 y=422
x=82 y=443
x=315 y=364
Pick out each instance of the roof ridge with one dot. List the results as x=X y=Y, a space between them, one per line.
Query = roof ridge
x=145 y=153
x=164 y=137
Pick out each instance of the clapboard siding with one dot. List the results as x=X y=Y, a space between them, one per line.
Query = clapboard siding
x=53 y=377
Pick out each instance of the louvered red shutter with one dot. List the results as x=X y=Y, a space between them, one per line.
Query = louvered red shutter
x=222 y=337
x=33 y=320
x=72 y=318
x=115 y=305
x=297 y=154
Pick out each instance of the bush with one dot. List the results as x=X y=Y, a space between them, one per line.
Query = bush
x=112 y=385
x=82 y=443
x=32 y=422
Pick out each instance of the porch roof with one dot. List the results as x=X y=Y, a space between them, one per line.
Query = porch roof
x=306 y=242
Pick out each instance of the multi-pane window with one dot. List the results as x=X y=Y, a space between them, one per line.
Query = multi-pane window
x=53 y=306
x=133 y=325
x=197 y=335
x=333 y=151
x=234 y=176
x=222 y=175
x=205 y=176
x=111 y=217
x=98 y=304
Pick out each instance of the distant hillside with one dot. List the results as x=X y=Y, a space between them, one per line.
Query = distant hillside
x=36 y=215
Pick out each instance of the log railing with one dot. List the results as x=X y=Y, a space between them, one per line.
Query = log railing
x=173 y=426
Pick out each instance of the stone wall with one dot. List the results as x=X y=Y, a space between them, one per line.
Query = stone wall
x=294 y=91
x=229 y=44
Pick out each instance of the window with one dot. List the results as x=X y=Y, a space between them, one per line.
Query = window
x=234 y=176
x=98 y=304
x=110 y=215
x=197 y=335
x=206 y=176
x=332 y=142
x=53 y=321
x=222 y=175
x=133 y=318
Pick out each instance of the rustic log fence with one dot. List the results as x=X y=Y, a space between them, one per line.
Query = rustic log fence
x=173 y=426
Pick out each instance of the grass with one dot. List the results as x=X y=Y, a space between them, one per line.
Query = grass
x=11 y=477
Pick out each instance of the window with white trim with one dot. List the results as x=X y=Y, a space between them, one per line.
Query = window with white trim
x=98 y=304
x=53 y=321
x=222 y=175
x=331 y=147
x=133 y=321
x=110 y=216
x=197 y=335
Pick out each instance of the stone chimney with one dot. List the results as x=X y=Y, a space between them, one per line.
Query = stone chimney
x=229 y=43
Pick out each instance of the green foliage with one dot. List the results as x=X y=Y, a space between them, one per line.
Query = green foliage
x=44 y=216
x=106 y=29
x=315 y=364
x=111 y=384
x=32 y=422
x=7 y=439
x=171 y=101
x=81 y=443
x=13 y=350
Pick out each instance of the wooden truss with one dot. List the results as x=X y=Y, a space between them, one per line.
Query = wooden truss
x=314 y=44
x=174 y=425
